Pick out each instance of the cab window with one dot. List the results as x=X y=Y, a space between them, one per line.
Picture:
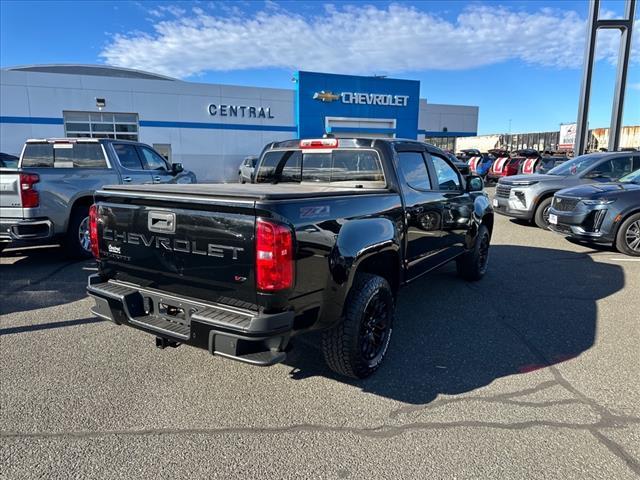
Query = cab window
x=151 y=160
x=37 y=155
x=128 y=156
x=414 y=170
x=448 y=178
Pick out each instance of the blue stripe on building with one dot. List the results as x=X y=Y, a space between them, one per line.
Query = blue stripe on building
x=33 y=120
x=233 y=126
x=218 y=126
x=153 y=123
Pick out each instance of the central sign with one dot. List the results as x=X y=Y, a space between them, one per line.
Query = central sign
x=381 y=99
x=240 y=111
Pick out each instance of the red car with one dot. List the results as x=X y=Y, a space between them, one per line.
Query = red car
x=532 y=161
x=503 y=166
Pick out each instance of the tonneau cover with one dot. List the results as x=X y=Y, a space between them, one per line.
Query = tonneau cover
x=264 y=191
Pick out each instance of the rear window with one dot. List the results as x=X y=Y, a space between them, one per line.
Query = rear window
x=68 y=155
x=344 y=167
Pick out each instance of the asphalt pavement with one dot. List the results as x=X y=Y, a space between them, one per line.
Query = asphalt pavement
x=530 y=373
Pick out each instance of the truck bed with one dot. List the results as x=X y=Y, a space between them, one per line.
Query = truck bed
x=261 y=191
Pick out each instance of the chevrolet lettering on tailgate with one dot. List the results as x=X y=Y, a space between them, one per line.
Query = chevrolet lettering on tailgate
x=171 y=244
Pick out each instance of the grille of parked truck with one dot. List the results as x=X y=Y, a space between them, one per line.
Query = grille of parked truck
x=322 y=240
x=47 y=198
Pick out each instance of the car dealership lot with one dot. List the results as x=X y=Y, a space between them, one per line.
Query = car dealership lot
x=532 y=372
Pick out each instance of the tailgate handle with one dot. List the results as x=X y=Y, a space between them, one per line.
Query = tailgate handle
x=161 y=222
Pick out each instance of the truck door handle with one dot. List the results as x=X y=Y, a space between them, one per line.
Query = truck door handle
x=156 y=178
x=126 y=179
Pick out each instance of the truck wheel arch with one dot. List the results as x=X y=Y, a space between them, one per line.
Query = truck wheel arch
x=82 y=201
x=368 y=245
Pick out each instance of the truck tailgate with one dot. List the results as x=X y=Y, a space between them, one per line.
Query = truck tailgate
x=10 y=201
x=200 y=249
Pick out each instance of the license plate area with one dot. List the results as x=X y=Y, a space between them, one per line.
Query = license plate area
x=553 y=219
x=168 y=310
x=173 y=313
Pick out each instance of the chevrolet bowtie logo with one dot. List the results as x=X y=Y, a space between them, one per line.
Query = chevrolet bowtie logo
x=325 y=96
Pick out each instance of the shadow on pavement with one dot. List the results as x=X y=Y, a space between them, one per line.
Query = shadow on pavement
x=535 y=307
x=596 y=247
x=523 y=223
x=40 y=277
x=48 y=326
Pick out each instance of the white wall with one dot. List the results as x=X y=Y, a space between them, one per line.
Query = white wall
x=434 y=117
x=214 y=154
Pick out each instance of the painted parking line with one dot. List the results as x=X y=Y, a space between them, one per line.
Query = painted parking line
x=620 y=259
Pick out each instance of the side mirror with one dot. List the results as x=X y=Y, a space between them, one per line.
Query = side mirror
x=176 y=168
x=474 y=183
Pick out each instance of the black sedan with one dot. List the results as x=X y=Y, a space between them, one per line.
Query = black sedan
x=601 y=213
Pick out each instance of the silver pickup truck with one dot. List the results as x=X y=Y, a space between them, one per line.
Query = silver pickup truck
x=47 y=198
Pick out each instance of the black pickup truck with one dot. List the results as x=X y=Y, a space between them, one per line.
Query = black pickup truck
x=322 y=241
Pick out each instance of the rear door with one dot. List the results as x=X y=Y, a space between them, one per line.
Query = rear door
x=457 y=204
x=132 y=170
x=426 y=242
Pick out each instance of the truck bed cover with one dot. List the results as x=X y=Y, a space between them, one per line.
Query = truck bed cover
x=263 y=191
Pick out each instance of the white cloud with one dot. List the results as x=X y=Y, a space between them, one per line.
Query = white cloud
x=634 y=86
x=164 y=10
x=356 y=39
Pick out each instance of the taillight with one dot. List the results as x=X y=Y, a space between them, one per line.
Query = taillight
x=28 y=194
x=93 y=230
x=274 y=256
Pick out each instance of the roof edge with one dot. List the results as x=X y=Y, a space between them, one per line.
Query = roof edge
x=97 y=67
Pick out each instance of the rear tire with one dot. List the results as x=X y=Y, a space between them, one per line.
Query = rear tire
x=541 y=217
x=357 y=346
x=473 y=265
x=628 y=236
x=77 y=244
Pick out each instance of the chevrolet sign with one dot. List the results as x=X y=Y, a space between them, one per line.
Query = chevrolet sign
x=357 y=98
x=325 y=96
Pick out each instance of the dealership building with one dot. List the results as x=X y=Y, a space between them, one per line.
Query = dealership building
x=210 y=128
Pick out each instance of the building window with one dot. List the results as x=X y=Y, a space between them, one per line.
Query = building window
x=445 y=143
x=121 y=126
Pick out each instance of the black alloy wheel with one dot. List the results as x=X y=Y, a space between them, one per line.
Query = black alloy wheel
x=374 y=332
x=473 y=264
x=356 y=346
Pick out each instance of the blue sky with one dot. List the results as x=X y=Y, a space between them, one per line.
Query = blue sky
x=518 y=61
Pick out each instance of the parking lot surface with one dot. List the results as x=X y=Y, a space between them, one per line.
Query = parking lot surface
x=530 y=373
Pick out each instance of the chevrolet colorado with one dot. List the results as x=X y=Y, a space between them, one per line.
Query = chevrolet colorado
x=322 y=240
